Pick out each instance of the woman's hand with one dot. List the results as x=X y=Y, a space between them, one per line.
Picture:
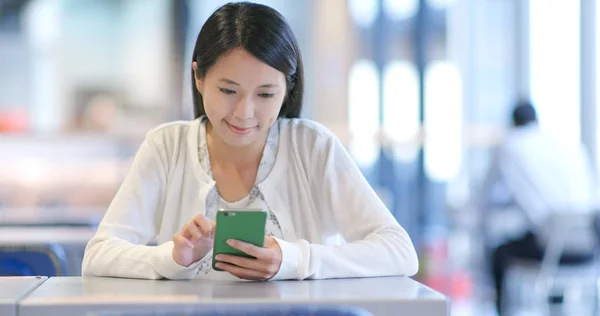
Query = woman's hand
x=265 y=265
x=194 y=241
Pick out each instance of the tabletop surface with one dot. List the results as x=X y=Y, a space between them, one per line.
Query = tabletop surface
x=14 y=288
x=76 y=290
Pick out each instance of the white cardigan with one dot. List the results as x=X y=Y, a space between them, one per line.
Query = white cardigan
x=334 y=225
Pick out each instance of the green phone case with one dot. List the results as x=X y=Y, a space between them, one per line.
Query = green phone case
x=246 y=225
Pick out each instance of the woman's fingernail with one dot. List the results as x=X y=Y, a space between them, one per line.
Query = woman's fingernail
x=230 y=242
x=218 y=257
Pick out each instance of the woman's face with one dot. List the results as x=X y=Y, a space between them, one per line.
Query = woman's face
x=242 y=97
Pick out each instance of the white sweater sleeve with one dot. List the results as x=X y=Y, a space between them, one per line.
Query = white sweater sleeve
x=376 y=245
x=119 y=248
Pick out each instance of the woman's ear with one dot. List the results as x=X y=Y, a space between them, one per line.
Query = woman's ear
x=197 y=79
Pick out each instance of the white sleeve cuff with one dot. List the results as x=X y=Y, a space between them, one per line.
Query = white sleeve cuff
x=291 y=261
x=164 y=264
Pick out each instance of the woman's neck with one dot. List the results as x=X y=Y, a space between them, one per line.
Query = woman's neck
x=238 y=157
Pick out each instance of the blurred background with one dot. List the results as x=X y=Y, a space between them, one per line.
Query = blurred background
x=420 y=92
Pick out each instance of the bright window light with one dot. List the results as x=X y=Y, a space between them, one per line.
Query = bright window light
x=555 y=66
x=363 y=96
x=401 y=106
x=364 y=12
x=398 y=10
x=443 y=121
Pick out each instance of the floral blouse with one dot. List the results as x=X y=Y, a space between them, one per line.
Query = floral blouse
x=254 y=200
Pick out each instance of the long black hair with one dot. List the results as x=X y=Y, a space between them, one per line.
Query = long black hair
x=264 y=33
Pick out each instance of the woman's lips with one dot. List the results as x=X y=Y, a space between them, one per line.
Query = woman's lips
x=239 y=130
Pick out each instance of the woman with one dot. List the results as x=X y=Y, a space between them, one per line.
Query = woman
x=247 y=149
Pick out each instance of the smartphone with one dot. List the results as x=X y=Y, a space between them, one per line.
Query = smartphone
x=246 y=225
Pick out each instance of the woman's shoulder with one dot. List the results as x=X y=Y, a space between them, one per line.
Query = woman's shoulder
x=299 y=129
x=308 y=140
x=174 y=132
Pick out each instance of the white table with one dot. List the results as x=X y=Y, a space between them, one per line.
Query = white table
x=12 y=289
x=78 y=296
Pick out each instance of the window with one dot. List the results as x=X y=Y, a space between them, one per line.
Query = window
x=401 y=108
x=443 y=121
x=364 y=12
x=554 y=60
x=363 y=99
x=398 y=10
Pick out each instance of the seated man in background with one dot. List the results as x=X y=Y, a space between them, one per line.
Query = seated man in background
x=542 y=175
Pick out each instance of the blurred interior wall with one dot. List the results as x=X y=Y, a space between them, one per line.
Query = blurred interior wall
x=589 y=78
x=82 y=48
x=332 y=54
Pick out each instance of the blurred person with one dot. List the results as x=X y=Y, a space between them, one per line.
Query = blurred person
x=100 y=113
x=247 y=148
x=96 y=114
x=541 y=175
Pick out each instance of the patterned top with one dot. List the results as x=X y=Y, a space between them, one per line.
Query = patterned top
x=254 y=200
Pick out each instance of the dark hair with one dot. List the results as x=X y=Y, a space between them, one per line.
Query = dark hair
x=261 y=31
x=523 y=114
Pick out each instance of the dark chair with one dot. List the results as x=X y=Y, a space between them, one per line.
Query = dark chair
x=32 y=260
x=551 y=285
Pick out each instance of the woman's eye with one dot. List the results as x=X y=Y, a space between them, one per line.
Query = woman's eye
x=266 y=95
x=227 y=91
